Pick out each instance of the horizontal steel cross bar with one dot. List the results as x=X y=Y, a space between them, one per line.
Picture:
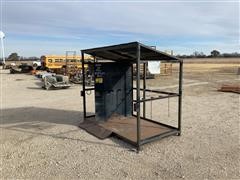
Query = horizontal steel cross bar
x=156 y=98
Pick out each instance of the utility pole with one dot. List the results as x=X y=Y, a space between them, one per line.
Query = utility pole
x=2 y=36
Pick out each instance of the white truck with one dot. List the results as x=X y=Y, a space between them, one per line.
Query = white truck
x=36 y=63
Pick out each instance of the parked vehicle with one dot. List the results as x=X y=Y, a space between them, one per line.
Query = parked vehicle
x=56 y=82
x=36 y=63
x=57 y=62
x=23 y=68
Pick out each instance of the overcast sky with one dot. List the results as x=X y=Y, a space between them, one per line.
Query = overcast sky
x=34 y=28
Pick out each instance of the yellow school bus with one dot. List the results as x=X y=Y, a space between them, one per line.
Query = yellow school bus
x=59 y=61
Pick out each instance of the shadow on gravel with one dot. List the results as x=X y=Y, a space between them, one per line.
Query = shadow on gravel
x=37 y=115
x=35 y=88
x=39 y=86
x=39 y=121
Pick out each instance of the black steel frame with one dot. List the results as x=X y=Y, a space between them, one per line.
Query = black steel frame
x=138 y=100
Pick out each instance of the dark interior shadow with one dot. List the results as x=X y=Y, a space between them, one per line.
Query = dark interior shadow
x=34 y=120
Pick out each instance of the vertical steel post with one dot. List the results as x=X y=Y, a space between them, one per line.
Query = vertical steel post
x=144 y=87
x=132 y=90
x=138 y=98
x=180 y=96
x=83 y=86
x=66 y=63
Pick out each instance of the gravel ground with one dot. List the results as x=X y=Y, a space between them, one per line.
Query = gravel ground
x=40 y=138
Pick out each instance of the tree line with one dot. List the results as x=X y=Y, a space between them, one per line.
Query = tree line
x=15 y=57
x=214 y=53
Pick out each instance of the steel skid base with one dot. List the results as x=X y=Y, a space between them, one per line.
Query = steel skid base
x=125 y=128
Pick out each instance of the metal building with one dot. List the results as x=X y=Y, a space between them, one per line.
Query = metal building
x=118 y=108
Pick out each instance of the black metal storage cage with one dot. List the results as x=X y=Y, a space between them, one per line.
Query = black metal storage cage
x=116 y=110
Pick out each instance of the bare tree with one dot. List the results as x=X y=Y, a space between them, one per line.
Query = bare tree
x=215 y=53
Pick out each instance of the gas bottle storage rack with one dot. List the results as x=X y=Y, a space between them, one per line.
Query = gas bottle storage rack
x=113 y=70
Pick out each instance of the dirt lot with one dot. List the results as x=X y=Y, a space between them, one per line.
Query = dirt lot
x=40 y=137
